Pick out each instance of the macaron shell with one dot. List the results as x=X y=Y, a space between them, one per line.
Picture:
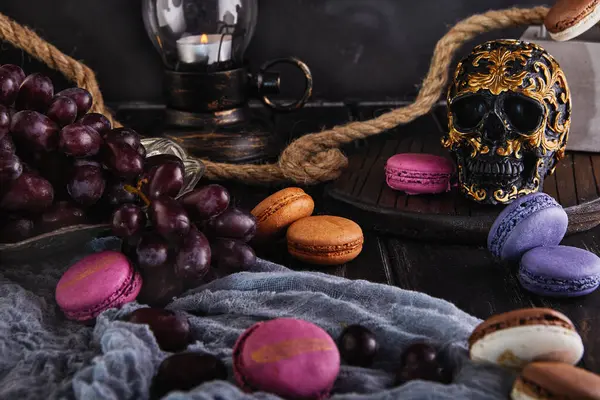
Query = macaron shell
x=557 y=380
x=560 y=271
x=287 y=357
x=420 y=162
x=418 y=173
x=278 y=211
x=95 y=283
x=518 y=346
x=531 y=221
x=325 y=240
x=524 y=316
x=568 y=19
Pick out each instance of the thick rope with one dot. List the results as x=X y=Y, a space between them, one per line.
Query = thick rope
x=315 y=157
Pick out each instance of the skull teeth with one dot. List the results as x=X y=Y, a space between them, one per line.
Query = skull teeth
x=505 y=167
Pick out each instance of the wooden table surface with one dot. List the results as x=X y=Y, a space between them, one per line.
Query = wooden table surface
x=464 y=275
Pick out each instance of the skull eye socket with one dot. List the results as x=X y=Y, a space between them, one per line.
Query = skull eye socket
x=524 y=114
x=469 y=111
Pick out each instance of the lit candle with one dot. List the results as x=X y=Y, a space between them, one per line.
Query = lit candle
x=204 y=49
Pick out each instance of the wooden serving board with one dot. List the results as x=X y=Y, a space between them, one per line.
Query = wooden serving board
x=362 y=194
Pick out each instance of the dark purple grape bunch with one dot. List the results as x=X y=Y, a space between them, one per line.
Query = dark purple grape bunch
x=167 y=237
x=58 y=162
x=422 y=361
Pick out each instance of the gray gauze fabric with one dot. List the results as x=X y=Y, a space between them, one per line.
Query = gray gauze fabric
x=45 y=356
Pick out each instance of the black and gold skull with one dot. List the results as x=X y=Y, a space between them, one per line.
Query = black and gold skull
x=509 y=113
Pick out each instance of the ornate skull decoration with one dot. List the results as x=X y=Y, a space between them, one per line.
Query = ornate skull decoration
x=509 y=112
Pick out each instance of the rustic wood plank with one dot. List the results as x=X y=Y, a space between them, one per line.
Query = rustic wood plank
x=550 y=186
x=584 y=178
x=372 y=263
x=445 y=271
x=565 y=182
x=596 y=168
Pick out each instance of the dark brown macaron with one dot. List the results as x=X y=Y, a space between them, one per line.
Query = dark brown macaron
x=552 y=380
x=568 y=19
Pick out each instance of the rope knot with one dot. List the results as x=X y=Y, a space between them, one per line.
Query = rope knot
x=306 y=162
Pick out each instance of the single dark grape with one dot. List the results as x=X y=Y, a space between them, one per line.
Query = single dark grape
x=152 y=251
x=169 y=218
x=62 y=110
x=420 y=361
x=128 y=220
x=8 y=87
x=193 y=259
x=160 y=286
x=34 y=131
x=10 y=167
x=86 y=185
x=232 y=224
x=59 y=215
x=78 y=140
x=16 y=72
x=36 y=93
x=6 y=144
x=206 y=202
x=123 y=135
x=96 y=121
x=81 y=97
x=4 y=121
x=185 y=371
x=358 y=346
x=166 y=179
x=53 y=166
x=171 y=329
x=116 y=194
x=123 y=160
x=80 y=162
x=160 y=159
x=29 y=192
x=16 y=230
x=231 y=256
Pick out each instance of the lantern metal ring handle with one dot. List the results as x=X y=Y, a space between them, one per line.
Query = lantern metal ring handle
x=308 y=84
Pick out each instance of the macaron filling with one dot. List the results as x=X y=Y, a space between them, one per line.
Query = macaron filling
x=518 y=214
x=408 y=176
x=559 y=285
x=325 y=250
x=126 y=290
x=546 y=319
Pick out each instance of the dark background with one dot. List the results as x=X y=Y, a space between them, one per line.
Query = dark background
x=357 y=49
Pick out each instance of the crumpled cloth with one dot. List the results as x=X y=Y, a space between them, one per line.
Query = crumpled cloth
x=45 y=356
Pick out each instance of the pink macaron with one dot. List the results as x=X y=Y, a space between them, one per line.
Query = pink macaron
x=288 y=357
x=416 y=173
x=96 y=283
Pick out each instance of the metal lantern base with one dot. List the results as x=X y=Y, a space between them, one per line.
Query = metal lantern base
x=249 y=139
x=208 y=115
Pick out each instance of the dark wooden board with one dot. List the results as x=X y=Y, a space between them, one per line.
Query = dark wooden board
x=361 y=191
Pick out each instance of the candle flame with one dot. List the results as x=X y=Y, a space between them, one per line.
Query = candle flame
x=204 y=38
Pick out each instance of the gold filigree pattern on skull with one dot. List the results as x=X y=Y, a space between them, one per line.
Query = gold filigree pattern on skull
x=494 y=71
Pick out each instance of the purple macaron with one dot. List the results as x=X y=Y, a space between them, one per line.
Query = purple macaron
x=531 y=221
x=560 y=271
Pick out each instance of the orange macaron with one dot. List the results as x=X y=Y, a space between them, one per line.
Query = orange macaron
x=325 y=240
x=278 y=211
